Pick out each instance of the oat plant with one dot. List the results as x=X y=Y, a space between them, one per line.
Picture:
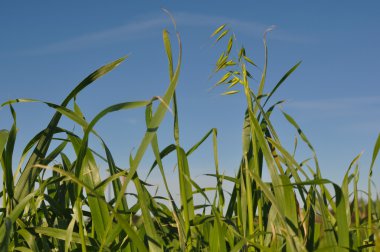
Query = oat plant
x=54 y=200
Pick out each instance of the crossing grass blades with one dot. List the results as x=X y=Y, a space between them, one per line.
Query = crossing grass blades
x=55 y=201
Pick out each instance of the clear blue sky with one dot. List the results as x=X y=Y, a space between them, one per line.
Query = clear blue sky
x=47 y=47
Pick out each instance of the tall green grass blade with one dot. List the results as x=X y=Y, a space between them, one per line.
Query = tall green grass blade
x=18 y=209
x=168 y=50
x=299 y=131
x=61 y=234
x=155 y=244
x=29 y=146
x=341 y=218
x=345 y=189
x=161 y=155
x=5 y=234
x=3 y=140
x=69 y=235
x=4 y=134
x=26 y=182
x=89 y=173
x=375 y=153
x=219 y=181
x=78 y=214
x=6 y=226
x=116 y=184
x=356 y=204
x=219 y=236
x=263 y=75
x=292 y=240
x=124 y=224
x=374 y=156
x=309 y=225
x=158 y=161
x=195 y=146
x=296 y=210
x=87 y=167
x=281 y=81
x=291 y=206
x=153 y=126
x=133 y=236
x=7 y=157
x=187 y=202
x=29 y=239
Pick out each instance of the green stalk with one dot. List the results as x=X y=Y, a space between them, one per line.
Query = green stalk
x=374 y=155
x=260 y=216
x=356 y=206
x=153 y=239
x=78 y=206
x=219 y=181
x=247 y=91
x=152 y=128
x=248 y=182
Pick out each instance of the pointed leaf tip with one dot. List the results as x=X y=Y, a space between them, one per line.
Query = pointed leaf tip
x=218 y=30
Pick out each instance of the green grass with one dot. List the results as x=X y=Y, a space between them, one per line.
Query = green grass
x=56 y=201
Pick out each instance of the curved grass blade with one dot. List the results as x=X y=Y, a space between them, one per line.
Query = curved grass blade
x=87 y=167
x=304 y=138
x=89 y=173
x=292 y=239
x=7 y=156
x=345 y=191
x=124 y=224
x=153 y=126
x=186 y=193
x=4 y=134
x=158 y=161
x=61 y=234
x=29 y=239
x=282 y=81
x=5 y=234
x=26 y=182
x=154 y=241
x=166 y=151
x=69 y=234
x=3 y=140
x=29 y=146
x=6 y=227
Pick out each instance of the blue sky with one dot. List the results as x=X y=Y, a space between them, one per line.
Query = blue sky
x=46 y=48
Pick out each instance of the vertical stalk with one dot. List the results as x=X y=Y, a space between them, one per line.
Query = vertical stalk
x=78 y=206
x=260 y=216
x=369 y=208
x=356 y=205
x=248 y=182
x=247 y=91
x=4 y=196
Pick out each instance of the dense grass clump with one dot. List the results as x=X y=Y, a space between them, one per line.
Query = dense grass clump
x=65 y=209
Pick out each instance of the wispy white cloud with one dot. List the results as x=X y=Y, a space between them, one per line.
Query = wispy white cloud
x=132 y=121
x=246 y=27
x=191 y=19
x=144 y=25
x=370 y=126
x=104 y=37
x=336 y=104
x=352 y=114
x=346 y=116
